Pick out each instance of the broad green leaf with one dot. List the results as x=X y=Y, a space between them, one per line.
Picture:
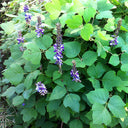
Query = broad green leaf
x=57 y=93
x=110 y=80
x=32 y=53
x=89 y=57
x=114 y=60
x=110 y=25
x=14 y=74
x=18 y=100
x=124 y=59
x=19 y=88
x=29 y=79
x=75 y=22
x=72 y=101
x=100 y=114
x=124 y=67
x=96 y=125
x=8 y=27
x=56 y=75
x=103 y=5
x=96 y=71
x=44 y=42
x=95 y=83
x=77 y=7
x=64 y=114
x=72 y=49
x=40 y=107
x=28 y=114
x=104 y=14
x=53 y=105
x=116 y=106
x=15 y=52
x=98 y=96
x=88 y=14
x=9 y=92
x=29 y=37
x=87 y=31
x=54 y=8
x=76 y=124
x=27 y=94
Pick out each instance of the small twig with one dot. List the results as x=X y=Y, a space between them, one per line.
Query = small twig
x=61 y=125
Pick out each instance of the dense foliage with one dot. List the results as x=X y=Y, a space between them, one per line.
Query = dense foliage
x=67 y=63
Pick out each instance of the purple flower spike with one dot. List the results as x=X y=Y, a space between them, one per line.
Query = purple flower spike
x=74 y=73
x=40 y=87
x=20 y=38
x=58 y=47
x=39 y=27
x=28 y=17
x=114 y=41
x=26 y=9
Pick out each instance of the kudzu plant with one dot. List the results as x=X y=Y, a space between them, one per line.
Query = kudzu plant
x=68 y=64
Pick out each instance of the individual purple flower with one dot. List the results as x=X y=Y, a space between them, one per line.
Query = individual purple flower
x=39 y=27
x=26 y=9
x=74 y=73
x=58 y=47
x=40 y=87
x=23 y=104
x=20 y=38
x=28 y=17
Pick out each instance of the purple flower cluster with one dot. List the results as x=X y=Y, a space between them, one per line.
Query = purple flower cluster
x=40 y=87
x=114 y=41
x=74 y=73
x=39 y=27
x=20 y=38
x=26 y=8
x=58 y=46
x=28 y=17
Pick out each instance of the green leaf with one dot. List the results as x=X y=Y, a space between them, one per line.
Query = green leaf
x=29 y=37
x=9 y=92
x=95 y=83
x=79 y=63
x=75 y=22
x=103 y=5
x=32 y=53
x=29 y=79
x=98 y=96
x=88 y=14
x=124 y=59
x=72 y=101
x=54 y=8
x=19 y=88
x=72 y=49
x=87 y=31
x=64 y=114
x=27 y=94
x=28 y=114
x=14 y=74
x=89 y=57
x=100 y=114
x=58 y=93
x=110 y=25
x=116 y=106
x=56 y=75
x=40 y=107
x=114 y=60
x=53 y=105
x=110 y=80
x=77 y=7
x=44 y=42
x=96 y=71
x=76 y=124
x=104 y=14
x=15 y=52
x=18 y=100
x=8 y=27
x=124 y=67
